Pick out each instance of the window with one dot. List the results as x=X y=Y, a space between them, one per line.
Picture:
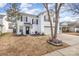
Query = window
x=10 y=26
x=37 y=21
x=26 y=19
x=21 y=18
x=32 y=21
x=45 y=18
x=53 y=19
x=21 y=29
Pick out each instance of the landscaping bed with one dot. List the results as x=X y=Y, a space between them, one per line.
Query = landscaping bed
x=26 y=45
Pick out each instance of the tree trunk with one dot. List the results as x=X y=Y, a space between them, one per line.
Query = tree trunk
x=56 y=41
x=16 y=24
x=50 y=23
x=56 y=24
x=57 y=9
x=49 y=18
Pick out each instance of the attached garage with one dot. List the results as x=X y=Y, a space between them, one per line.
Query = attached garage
x=47 y=30
x=77 y=30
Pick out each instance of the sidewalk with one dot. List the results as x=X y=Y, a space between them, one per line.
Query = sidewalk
x=72 y=50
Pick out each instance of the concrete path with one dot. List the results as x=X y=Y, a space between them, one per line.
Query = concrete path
x=72 y=50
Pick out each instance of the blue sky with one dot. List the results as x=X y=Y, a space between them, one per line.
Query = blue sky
x=35 y=9
x=24 y=7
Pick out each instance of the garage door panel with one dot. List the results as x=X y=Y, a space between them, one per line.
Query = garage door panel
x=47 y=30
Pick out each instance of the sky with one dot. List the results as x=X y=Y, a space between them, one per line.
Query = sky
x=24 y=7
x=35 y=8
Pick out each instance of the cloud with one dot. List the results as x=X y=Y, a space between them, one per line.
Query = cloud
x=28 y=8
x=33 y=11
x=2 y=5
x=25 y=5
x=67 y=18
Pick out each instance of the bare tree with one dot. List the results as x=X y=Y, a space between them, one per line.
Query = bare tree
x=49 y=18
x=73 y=8
x=57 y=10
x=13 y=12
x=54 y=39
x=1 y=26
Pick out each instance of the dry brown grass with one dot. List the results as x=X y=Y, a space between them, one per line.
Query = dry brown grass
x=73 y=33
x=26 y=45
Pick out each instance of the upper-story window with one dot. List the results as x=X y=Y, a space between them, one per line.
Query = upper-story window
x=45 y=18
x=10 y=26
x=53 y=19
x=36 y=21
x=26 y=19
x=1 y=17
x=21 y=18
x=32 y=21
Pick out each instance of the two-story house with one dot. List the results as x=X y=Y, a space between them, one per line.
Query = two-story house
x=31 y=24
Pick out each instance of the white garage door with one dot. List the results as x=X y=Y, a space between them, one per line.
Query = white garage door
x=47 y=30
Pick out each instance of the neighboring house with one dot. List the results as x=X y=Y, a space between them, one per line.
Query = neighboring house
x=68 y=26
x=4 y=24
x=74 y=26
x=30 y=24
x=64 y=26
x=1 y=29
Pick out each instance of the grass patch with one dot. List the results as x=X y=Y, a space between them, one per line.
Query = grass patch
x=3 y=34
x=73 y=33
x=26 y=45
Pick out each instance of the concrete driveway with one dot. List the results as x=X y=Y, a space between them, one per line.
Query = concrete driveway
x=72 y=50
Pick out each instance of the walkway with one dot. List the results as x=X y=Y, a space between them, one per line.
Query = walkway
x=72 y=50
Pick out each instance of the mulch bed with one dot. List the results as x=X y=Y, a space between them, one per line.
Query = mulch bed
x=26 y=45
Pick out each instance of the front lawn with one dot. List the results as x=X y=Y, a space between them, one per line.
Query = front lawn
x=73 y=33
x=26 y=45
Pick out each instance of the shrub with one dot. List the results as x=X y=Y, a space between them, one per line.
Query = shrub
x=43 y=34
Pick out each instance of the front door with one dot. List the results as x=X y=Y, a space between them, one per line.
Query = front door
x=27 y=30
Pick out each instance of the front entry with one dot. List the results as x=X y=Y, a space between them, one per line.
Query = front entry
x=27 y=30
